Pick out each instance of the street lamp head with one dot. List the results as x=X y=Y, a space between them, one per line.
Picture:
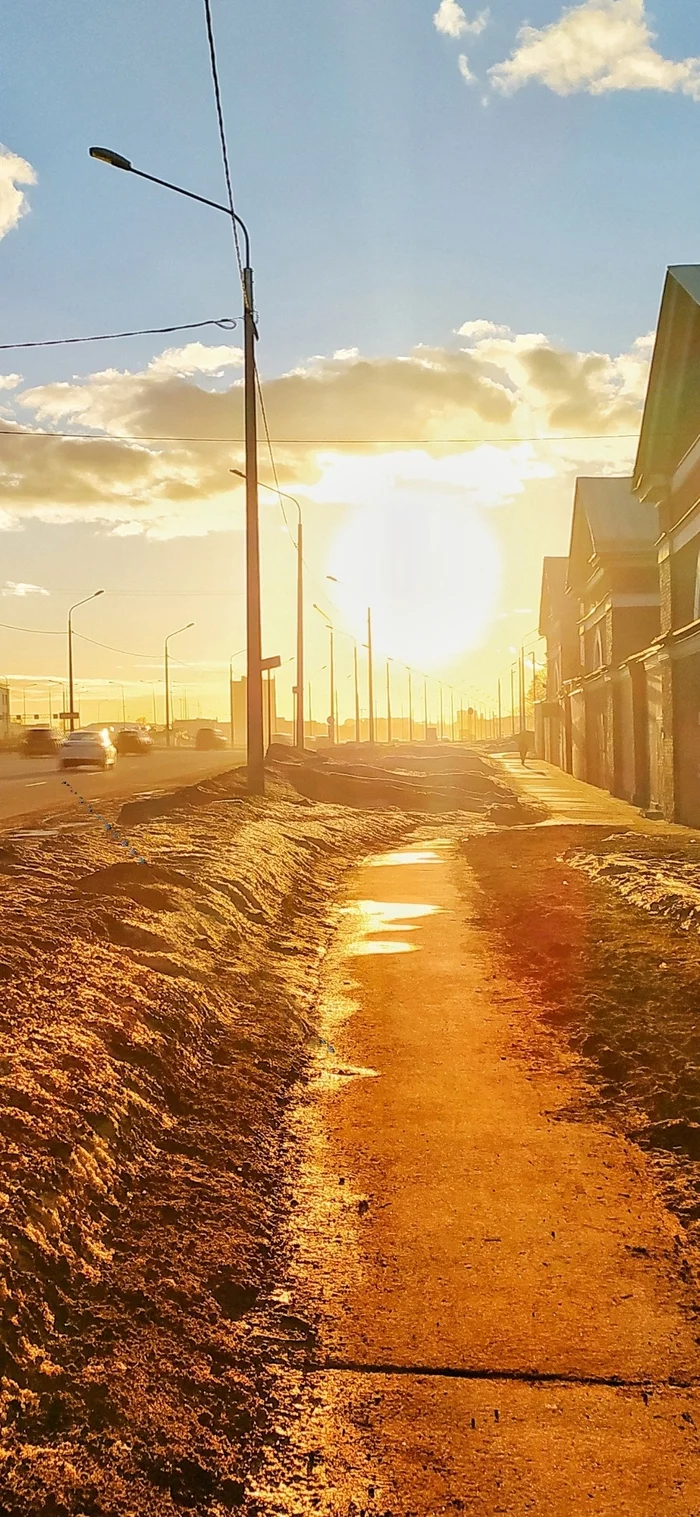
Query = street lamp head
x=238 y=472
x=106 y=155
x=97 y=592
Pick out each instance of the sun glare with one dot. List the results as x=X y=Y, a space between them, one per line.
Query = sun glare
x=423 y=557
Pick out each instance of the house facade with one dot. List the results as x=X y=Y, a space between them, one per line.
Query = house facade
x=667 y=479
x=558 y=625
x=599 y=612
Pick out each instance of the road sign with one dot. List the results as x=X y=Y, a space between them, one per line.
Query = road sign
x=65 y=716
x=270 y=663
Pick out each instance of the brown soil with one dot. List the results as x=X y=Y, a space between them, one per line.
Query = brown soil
x=603 y=931
x=154 y=1017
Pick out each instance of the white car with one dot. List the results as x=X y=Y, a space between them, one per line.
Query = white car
x=87 y=747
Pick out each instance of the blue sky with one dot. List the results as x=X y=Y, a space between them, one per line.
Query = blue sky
x=389 y=201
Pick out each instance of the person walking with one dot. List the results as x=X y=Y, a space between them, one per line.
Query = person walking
x=523 y=746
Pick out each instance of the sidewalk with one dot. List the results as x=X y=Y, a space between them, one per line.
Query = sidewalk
x=571 y=800
x=484 y=1292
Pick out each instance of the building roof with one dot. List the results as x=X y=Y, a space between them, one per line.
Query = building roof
x=553 y=596
x=608 y=520
x=671 y=420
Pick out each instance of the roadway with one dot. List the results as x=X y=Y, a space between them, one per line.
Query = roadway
x=31 y=787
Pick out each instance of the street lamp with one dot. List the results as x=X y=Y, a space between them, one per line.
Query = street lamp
x=331 y=629
x=255 y=741
x=71 y=712
x=300 y=607
x=370 y=665
x=176 y=633
x=388 y=700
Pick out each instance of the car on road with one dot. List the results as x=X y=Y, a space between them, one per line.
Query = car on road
x=209 y=738
x=133 y=740
x=84 y=747
x=40 y=742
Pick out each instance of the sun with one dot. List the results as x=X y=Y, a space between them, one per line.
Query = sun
x=429 y=567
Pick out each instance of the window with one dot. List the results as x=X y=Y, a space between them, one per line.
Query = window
x=696 y=596
x=598 y=649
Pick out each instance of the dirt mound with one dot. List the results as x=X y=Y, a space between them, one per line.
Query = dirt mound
x=615 y=971
x=447 y=780
x=153 y=1019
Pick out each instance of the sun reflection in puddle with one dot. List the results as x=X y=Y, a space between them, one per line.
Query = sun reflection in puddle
x=374 y=917
x=410 y=856
x=368 y=946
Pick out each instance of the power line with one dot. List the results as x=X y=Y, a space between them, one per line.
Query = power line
x=333 y=442
x=222 y=137
x=225 y=322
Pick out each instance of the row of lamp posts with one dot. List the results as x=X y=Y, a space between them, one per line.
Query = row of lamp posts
x=254 y=692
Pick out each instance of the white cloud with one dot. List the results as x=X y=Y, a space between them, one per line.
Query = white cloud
x=476 y=330
x=197 y=358
x=14 y=587
x=497 y=386
x=451 y=20
x=13 y=204
x=464 y=69
x=596 y=47
x=10 y=381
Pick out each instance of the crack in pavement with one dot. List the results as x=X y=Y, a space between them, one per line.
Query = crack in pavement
x=517 y=1376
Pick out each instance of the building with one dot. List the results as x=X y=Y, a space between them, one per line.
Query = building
x=599 y=613
x=613 y=578
x=239 y=710
x=667 y=480
x=4 y=711
x=558 y=626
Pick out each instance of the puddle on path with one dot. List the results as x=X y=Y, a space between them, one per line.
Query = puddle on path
x=369 y=918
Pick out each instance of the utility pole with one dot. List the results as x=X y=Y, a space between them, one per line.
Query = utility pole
x=425 y=706
x=167 y=679
x=331 y=709
x=300 y=636
x=256 y=757
x=410 y=708
x=71 y=716
x=500 y=714
x=370 y=675
x=534 y=669
x=230 y=700
x=523 y=714
x=442 y=728
x=512 y=703
x=388 y=701
x=256 y=745
x=357 y=694
x=452 y=715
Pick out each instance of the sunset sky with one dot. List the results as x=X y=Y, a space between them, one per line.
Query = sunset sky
x=461 y=220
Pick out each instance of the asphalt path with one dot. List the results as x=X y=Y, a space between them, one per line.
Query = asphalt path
x=32 y=787
x=484 y=1291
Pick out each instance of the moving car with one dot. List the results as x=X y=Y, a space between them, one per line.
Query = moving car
x=40 y=742
x=86 y=747
x=209 y=738
x=133 y=740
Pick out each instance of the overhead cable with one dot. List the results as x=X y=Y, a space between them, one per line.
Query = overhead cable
x=226 y=323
